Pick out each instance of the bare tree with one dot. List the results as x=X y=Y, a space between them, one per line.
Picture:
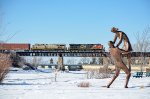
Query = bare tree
x=5 y=61
x=93 y=61
x=71 y=61
x=36 y=61
x=100 y=60
x=106 y=61
x=84 y=60
x=2 y=27
x=142 y=44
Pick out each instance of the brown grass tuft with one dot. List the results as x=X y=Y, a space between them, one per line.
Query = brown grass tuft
x=84 y=84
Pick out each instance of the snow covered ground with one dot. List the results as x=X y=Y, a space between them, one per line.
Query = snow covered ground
x=39 y=85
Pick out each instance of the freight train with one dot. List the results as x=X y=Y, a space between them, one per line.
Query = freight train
x=50 y=47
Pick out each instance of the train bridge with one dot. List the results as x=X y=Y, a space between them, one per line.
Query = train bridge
x=76 y=54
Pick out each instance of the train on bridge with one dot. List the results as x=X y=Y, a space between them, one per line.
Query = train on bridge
x=73 y=50
x=51 y=47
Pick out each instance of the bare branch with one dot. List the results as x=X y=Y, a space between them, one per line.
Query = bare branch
x=143 y=40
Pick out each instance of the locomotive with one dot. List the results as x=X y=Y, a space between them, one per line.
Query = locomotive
x=85 y=47
x=50 y=47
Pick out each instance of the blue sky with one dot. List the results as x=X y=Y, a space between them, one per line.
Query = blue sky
x=73 y=21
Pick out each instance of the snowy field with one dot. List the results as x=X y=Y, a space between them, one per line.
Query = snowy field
x=38 y=85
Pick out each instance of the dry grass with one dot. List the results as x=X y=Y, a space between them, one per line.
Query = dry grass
x=84 y=84
x=100 y=73
x=5 y=63
x=142 y=86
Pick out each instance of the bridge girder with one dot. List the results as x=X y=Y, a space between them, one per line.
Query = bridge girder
x=79 y=54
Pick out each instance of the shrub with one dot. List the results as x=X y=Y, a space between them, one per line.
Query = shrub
x=17 y=61
x=5 y=63
x=100 y=73
x=84 y=84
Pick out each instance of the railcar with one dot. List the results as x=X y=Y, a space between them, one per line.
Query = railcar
x=14 y=46
x=48 y=47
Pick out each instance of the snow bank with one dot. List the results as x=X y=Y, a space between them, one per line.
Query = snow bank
x=39 y=85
